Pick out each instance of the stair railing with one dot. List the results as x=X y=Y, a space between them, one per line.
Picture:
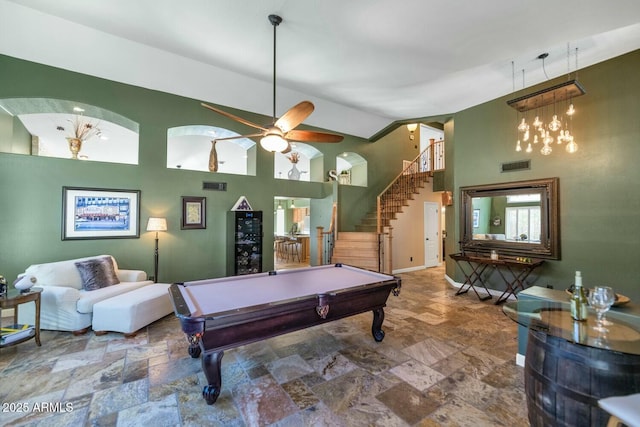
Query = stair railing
x=394 y=196
x=326 y=239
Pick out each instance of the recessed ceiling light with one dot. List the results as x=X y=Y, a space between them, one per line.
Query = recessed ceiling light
x=78 y=109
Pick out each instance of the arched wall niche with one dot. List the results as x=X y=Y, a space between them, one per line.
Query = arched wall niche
x=303 y=163
x=189 y=147
x=42 y=126
x=351 y=169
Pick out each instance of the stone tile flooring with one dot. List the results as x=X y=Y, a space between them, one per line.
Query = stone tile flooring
x=445 y=360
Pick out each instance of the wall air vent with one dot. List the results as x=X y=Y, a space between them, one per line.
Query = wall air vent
x=216 y=186
x=515 y=166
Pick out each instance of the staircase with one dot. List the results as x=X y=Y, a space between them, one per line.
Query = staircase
x=359 y=249
x=398 y=194
x=362 y=248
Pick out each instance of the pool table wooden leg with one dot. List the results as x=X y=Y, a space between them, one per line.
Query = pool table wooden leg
x=376 y=327
x=211 y=362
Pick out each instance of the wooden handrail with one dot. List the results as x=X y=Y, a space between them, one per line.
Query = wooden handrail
x=400 y=189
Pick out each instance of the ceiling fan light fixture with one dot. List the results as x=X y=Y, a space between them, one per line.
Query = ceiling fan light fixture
x=276 y=136
x=274 y=143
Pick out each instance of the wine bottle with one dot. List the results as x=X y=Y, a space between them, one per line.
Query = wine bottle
x=578 y=300
x=579 y=332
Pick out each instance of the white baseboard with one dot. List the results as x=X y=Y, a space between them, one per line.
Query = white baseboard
x=408 y=270
x=520 y=360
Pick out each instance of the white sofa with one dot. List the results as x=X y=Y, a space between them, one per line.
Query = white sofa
x=65 y=305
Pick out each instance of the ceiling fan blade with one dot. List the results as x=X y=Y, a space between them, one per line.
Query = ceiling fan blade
x=294 y=116
x=311 y=136
x=251 y=135
x=233 y=117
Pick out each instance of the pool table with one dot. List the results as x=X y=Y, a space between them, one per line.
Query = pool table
x=219 y=314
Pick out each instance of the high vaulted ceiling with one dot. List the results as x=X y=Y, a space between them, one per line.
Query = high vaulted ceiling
x=363 y=63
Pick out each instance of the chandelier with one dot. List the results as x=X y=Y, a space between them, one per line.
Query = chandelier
x=552 y=119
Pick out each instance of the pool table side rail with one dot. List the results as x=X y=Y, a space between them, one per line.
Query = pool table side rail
x=182 y=310
x=191 y=325
x=272 y=320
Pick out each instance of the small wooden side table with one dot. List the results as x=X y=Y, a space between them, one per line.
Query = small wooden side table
x=12 y=299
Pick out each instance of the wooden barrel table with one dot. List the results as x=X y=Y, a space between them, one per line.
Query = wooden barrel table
x=564 y=380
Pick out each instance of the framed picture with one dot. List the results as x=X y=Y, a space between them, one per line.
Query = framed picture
x=476 y=218
x=194 y=212
x=98 y=213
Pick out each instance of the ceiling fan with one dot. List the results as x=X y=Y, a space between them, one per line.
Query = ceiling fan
x=277 y=135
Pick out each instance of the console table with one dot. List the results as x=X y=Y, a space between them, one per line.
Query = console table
x=570 y=365
x=513 y=272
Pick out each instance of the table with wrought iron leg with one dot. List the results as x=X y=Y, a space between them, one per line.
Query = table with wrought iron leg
x=519 y=270
x=519 y=267
x=474 y=277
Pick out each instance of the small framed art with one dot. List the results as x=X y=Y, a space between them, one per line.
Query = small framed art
x=194 y=212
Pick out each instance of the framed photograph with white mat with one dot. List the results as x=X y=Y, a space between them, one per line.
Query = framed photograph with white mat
x=99 y=213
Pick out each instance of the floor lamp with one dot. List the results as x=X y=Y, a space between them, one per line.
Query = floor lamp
x=156 y=224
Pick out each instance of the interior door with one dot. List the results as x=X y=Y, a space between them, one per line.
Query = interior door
x=431 y=234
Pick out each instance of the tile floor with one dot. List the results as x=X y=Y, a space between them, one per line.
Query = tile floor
x=445 y=360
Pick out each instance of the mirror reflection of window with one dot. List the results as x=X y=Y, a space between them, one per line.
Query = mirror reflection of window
x=67 y=129
x=190 y=148
x=523 y=224
x=523 y=198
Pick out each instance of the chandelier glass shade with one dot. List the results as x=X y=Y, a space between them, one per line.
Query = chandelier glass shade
x=559 y=128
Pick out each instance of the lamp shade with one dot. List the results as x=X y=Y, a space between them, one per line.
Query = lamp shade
x=412 y=127
x=157 y=224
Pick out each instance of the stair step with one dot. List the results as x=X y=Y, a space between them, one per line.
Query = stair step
x=357 y=245
x=368 y=228
x=351 y=235
x=369 y=264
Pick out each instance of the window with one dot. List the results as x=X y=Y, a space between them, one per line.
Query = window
x=523 y=223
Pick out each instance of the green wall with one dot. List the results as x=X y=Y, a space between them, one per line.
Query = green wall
x=599 y=185
x=483 y=205
x=31 y=187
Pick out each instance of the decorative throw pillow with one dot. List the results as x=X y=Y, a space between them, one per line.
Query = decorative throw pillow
x=97 y=273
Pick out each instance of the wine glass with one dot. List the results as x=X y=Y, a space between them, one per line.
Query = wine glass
x=601 y=298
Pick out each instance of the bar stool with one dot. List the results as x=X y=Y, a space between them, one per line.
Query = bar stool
x=293 y=248
x=279 y=247
x=623 y=409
